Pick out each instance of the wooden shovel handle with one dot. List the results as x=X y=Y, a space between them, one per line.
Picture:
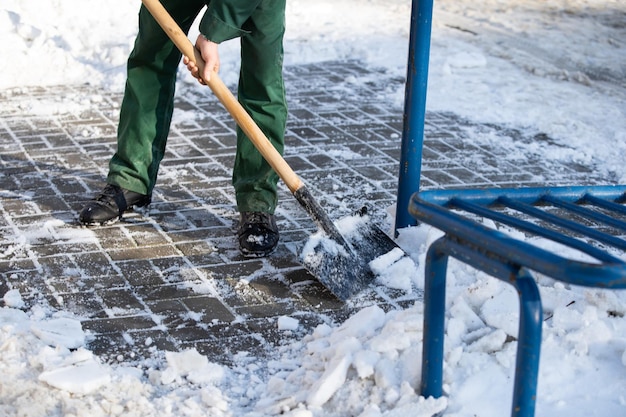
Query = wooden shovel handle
x=243 y=119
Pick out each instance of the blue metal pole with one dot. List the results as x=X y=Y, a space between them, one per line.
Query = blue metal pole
x=414 y=110
x=528 y=346
x=434 y=319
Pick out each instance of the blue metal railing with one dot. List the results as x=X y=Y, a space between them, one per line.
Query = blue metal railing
x=552 y=213
x=494 y=252
x=414 y=109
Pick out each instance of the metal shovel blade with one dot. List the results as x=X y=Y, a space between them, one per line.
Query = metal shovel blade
x=342 y=264
x=346 y=271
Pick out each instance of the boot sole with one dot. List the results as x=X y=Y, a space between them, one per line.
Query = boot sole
x=115 y=219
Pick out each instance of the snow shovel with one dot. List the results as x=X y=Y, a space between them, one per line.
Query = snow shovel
x=340 y=266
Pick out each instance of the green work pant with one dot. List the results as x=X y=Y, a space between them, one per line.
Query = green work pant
x=148 y=102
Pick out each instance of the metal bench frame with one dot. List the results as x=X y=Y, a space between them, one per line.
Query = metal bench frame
x=512 y=260
x=489 y=250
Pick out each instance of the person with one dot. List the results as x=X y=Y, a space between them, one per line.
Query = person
x=148 y=102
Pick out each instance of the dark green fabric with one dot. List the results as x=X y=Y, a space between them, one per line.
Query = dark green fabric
x=225 y=19
x=148 y=101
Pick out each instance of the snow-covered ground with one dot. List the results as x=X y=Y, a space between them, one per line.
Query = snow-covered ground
x=557 y=66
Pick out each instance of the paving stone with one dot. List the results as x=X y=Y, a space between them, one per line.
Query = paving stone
x=170 y=277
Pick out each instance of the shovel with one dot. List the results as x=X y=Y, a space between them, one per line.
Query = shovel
x=342 y=267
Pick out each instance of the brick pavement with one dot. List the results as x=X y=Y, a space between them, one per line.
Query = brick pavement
x=171 y=277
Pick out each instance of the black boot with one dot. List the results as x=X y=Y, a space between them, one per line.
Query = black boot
x=258 y=234
x=111 y=204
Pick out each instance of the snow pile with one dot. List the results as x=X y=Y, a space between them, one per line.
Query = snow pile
x=59 y=42
x=47 y=372
x=369 y=366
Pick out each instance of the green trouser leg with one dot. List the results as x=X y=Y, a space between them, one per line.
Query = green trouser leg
x=262 y=93
x=147 y=106
x=148 y=101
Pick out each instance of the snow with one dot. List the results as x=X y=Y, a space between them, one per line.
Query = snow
x=513 y=62
x=287 y=323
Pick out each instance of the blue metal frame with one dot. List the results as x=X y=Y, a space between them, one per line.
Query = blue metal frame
x=489 y=250
x=433 y=207
x=511 y=261
x=530 y=319
x=414 y=109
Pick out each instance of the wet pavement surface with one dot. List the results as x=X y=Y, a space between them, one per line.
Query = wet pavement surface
x=171 y=277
